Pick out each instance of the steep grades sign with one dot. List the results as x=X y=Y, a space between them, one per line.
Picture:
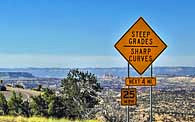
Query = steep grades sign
x=140 y=46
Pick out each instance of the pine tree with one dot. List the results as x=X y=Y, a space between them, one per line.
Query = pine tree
x=25 y=108
x=15 y=103
x=39 y=106
x=80 y=90
x=3 y=104
x=57 y=107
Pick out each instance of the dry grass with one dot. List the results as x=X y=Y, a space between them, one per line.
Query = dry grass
x=38 y=119
x=26 y=93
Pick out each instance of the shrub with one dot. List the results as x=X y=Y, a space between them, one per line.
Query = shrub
x=3 y=88
x=3 y=104
x=19 y=86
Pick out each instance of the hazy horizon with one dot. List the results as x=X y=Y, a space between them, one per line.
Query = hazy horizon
x=91 y=67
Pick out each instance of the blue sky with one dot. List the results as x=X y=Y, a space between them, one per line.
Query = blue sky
x=62 y=33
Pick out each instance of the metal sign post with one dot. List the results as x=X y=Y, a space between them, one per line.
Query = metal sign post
x=151 y=97
x=128 y=87
x=128 y=96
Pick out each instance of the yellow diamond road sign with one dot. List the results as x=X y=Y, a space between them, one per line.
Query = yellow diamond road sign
x=140 y=46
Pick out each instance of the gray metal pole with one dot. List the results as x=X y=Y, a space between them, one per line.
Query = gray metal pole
x=151 y=98
x=128 y=105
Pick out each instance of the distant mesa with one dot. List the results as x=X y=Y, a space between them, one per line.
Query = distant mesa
x=16 y=75
x=99 y=72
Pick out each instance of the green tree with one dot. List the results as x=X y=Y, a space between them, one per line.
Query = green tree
x=39 y=106
x=39 y=87
x=57 y=107
x=15 y=103
x=48 y=94
x=77 y=99
x=80 y=90
x=3 y=104
x=1 y=81
x=25 y=108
